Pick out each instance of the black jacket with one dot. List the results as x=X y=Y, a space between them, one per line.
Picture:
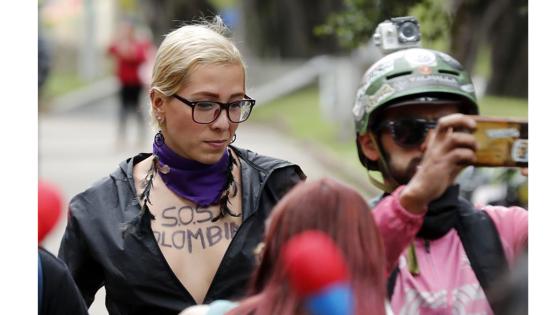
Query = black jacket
x=58 y=293
x=136 y=277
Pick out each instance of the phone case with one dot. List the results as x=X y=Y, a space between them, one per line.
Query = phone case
x=501 y=142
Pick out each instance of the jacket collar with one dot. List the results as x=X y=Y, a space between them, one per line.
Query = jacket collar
x=255 y=171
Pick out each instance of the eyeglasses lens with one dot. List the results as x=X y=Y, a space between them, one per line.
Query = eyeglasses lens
x=239 y=111
x=235 y=111
x=207 y=112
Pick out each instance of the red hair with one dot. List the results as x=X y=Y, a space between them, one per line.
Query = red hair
x=341 y=213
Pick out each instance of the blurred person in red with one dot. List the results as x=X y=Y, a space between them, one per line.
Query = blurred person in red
x=57 y=292
x=341 y=213
x=130 y=53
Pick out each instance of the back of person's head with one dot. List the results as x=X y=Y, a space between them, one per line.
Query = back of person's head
x=189 y=47
x=341 y=213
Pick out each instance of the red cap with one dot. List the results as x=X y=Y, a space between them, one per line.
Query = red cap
x=313 y=262
x=50 y=204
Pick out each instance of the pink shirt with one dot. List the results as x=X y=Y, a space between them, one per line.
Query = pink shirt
x=446 y=284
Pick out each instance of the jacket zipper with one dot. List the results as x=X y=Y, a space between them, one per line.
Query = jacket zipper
x=220 y=266
x=174 y=276
x=428 y=258
x=251 y=213
x=164 y=261
x=228 y=249
x=427 y=246
x=430 y=262
x=152 y=237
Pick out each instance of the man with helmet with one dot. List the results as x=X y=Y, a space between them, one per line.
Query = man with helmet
x=412 y=127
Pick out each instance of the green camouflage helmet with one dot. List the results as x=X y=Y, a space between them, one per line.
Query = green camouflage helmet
x=406 y=73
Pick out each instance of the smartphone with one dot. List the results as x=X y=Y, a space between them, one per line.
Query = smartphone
x=501 y=141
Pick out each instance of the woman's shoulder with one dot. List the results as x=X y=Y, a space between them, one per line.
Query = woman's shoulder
x=258 y=159
x=265 y=163
x=109 y=189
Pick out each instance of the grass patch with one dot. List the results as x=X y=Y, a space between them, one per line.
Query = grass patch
x=61 y=83
x=62 y=80
x=504 y=106
x=299 y=114
x=483 y=65
x=58 y=84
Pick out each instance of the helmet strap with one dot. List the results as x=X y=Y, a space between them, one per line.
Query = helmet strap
x=389 y=184
x=373 y=177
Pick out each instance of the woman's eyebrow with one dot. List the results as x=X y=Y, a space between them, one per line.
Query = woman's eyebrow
x=213 y=95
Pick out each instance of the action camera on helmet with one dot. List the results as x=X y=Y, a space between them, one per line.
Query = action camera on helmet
x=397 y=33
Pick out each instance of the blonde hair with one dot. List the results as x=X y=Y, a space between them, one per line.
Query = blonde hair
x=185 y=49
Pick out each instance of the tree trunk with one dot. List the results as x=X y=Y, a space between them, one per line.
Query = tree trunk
x=285 y=29
x=510 y=55
x=165 y=16
x=466 y=32
x=502 y=24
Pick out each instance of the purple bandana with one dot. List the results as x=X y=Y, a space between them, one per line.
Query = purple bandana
x=200 y=183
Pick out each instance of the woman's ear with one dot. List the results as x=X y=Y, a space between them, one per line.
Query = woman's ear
x=157 y=102
x=369 y=149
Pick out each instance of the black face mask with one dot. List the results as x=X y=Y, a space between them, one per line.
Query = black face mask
x=442 y=215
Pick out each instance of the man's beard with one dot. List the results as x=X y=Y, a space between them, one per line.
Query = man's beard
x=402 y=177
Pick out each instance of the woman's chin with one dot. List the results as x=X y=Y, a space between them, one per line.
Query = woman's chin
x=210 y=157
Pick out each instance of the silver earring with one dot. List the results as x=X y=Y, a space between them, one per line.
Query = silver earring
x=234 y=138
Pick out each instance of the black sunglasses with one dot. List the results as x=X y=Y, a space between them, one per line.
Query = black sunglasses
x=408 y=132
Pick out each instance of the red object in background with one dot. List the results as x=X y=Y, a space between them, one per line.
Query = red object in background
x=50 y=206
x=313 y=262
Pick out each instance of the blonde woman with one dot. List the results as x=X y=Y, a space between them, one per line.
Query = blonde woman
x=177 y=227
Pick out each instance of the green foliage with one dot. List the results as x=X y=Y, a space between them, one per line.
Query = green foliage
x=435 y=23
x=355 y=25
x=128 y=5
x=223 y=4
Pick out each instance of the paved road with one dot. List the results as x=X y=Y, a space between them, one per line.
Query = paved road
x=77 y=147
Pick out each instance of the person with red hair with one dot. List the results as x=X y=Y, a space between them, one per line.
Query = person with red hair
x=341 y=213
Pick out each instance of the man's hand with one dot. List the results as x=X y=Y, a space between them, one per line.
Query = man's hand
x=447 y=152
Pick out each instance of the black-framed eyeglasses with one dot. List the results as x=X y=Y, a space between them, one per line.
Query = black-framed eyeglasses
x=408 y=132
x=206 y=112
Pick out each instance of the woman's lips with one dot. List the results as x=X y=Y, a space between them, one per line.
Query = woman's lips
x=216 y=143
